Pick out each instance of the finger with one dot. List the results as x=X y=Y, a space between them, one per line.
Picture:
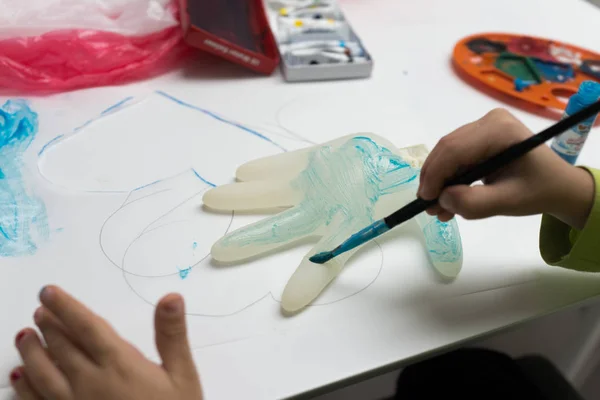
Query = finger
x=41 y=371
x=266 y=235
x=480 y=201
x=70 y=358
x=255 y=195
x=446 y=157
x=430 y=159
x=469 y=145
x=283 y=167
x=171 y=338
x=435 y=210
x=288 y=165
x=91 y=333
x=309 y=279
x=443 y=243
x=445 y=216
x=21 y=385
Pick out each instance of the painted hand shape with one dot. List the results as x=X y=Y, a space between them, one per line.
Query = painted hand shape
x=334 y=190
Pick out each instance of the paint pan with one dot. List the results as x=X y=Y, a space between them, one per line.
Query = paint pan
x=316 y=42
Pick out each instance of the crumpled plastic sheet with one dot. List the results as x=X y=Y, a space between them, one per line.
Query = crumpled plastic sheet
x=59 y=45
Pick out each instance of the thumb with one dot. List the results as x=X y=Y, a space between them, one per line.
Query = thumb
x=475 y=202
x=171 y=337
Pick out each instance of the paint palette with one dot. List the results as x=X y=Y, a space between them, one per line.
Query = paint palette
x=540 y=71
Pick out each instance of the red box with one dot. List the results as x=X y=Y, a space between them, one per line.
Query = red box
x=237 y=30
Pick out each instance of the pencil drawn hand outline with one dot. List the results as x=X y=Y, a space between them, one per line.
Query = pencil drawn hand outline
x=330 y=191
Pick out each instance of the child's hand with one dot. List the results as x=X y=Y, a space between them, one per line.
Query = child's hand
x=540 y=182
x=84 y=358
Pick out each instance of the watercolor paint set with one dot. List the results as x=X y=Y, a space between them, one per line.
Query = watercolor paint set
x=539 y=71
x=316 y=42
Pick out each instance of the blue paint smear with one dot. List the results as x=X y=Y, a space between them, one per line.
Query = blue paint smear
x=346 y=181
x=195 y=245
x=183 y=273
x=342 y=185
x=219 y=118
x=23 y=218
x=443 y=240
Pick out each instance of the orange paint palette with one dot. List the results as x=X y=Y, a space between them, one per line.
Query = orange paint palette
x=539 y=71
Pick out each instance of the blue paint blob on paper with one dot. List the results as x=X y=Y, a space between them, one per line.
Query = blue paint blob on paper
x=183 y=273
x=23 y=220
x=195 y=245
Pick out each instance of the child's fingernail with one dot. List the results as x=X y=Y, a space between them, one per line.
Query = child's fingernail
x=45 y=293
x=173 y=307
x=20 y=337
x=446 y=203
x=37 y=315
x=15 y=375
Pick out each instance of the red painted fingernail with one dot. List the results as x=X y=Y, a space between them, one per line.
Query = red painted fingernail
x=20 y=337
x=15 y=375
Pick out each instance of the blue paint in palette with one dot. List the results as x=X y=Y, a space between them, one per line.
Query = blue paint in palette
x=23 y=219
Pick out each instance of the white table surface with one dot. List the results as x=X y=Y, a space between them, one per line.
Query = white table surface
x=413 y=97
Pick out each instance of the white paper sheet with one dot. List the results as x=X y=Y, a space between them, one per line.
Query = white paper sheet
x=89 y=182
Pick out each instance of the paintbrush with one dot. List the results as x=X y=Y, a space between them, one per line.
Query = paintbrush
x=467 y=178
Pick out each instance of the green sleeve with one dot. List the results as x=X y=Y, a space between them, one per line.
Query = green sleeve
x=563 y=246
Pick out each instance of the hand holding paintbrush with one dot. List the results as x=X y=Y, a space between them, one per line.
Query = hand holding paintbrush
x=522 y=177
x=537 y=183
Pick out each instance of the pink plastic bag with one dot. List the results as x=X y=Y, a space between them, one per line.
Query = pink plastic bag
x=130 y=40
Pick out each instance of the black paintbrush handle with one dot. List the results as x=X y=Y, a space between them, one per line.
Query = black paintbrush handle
x=490 y=165
x=408 y=211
